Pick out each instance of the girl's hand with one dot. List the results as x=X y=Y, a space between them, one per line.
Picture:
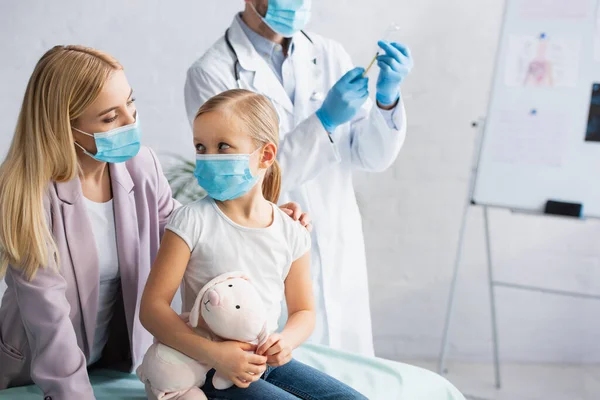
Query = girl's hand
x=233 y=361
x=277 y=349
x=295 y=212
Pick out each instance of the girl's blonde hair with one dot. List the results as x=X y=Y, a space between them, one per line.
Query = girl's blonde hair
x=260 y=120
x=65 y=81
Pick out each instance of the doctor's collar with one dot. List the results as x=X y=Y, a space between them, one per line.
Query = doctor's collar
x=262 y=45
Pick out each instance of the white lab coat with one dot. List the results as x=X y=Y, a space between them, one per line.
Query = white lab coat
x=316 y=169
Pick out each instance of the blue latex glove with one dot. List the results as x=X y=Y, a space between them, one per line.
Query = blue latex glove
x=394 y=66
x=344 y=99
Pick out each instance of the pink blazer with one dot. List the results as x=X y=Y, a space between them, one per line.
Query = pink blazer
x=47 y=325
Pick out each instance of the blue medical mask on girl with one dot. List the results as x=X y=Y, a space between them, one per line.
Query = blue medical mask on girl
x=286 y=17
x=225 y=176
x=117 y=145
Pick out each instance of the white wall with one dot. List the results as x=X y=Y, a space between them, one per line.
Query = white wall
x=412 y=212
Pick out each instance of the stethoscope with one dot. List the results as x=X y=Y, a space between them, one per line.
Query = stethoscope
x=236 y=63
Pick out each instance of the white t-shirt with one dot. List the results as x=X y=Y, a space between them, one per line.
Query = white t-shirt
x=102 y=217
x=219 y=245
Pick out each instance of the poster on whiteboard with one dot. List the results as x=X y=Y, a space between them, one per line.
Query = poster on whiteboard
x=542 y=61
x=554 y=9
x=533 y=137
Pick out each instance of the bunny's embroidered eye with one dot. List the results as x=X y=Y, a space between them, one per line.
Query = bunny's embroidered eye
x=230 y=285
x=238 y=307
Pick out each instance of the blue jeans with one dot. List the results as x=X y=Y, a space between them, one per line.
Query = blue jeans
x=293 y=380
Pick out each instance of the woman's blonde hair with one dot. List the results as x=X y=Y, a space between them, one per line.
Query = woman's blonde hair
x=65 y=81
x=261 y=122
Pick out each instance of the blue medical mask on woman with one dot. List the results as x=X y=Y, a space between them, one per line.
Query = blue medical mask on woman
x=117 y=145
x=286 y=17
x=225 y=176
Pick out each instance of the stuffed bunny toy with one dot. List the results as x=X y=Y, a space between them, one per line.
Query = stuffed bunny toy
x=233 y=310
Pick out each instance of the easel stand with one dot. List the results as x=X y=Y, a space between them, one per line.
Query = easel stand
x=492 y=283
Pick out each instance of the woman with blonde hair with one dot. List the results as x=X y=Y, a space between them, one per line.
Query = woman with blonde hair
x=83 y=207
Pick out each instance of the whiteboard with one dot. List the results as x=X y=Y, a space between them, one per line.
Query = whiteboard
x=537 y=144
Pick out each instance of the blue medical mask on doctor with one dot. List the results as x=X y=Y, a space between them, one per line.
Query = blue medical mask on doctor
x=117 y=145
x=225 y=176
x=286 y=17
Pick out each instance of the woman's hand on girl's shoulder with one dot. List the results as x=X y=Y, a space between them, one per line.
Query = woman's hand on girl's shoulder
x=295 y=212
x=237 y=362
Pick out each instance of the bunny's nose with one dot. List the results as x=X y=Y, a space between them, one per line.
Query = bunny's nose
x=214 y=299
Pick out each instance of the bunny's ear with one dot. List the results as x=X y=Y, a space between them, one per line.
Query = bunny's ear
x=263 y=335
x=195 y=313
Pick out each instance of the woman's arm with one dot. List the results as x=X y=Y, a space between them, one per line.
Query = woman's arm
x=156 y=314
x=58 y=366
x=301 y=315
x=165 y=200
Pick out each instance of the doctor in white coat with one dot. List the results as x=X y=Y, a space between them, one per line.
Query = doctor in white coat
x=328 y=128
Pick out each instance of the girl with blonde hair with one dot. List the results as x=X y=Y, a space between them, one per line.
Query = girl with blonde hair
x=237 y=226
